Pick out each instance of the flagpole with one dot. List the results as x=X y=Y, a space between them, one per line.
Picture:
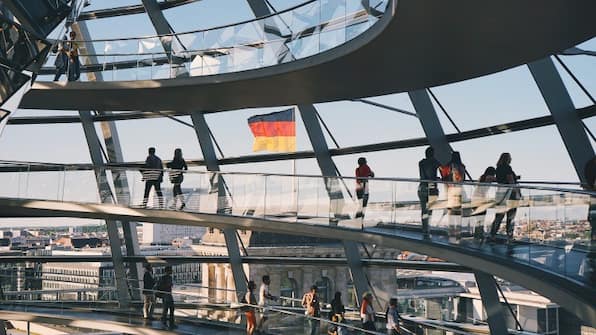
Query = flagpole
x=294 y=187
x=295 y=180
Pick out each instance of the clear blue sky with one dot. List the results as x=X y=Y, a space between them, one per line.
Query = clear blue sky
x=507 y=96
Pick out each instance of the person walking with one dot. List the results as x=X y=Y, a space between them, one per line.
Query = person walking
x=363 y=172
x=337 y=306
x=428 y=191
x=392 y=317
x=178 y=164
x=148 y=294
x=454 y=173
x=74 y=64
x=264 y=298
x=310 y=302
x=153 y=176
x=164 y=288
x=367 y=312
x=506 y=197
x=251 y=318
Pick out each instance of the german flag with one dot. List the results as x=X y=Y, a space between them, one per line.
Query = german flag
x=274 y=131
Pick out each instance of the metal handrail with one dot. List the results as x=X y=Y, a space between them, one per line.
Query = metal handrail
x=390 y=179
x=186 y=52
x=201 y=30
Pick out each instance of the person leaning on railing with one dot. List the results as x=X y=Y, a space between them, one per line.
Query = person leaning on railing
x=164 y=291
x=505 y=196
x=367 y=312
x=428 y=191
x=310 y=301
x=392 y=317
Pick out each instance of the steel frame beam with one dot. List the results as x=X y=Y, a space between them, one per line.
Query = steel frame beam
x=114 y=155
x=431 y=125
x=106 y=196
x=561 y=107
x=438 y=140
x=162 y=27
x=328 y=169
x=490 y=300
x=159 y=23
x=208 y=150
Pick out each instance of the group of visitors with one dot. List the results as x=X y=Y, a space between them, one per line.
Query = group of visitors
x=152 y=173
x=453 y=173
x=312 y=309
x=265 y=298
x=162 y=289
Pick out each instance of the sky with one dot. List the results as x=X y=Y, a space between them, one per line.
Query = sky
x=511 y=95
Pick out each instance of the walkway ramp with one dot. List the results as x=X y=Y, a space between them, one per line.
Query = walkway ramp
x=509 y=263
x=416 y=44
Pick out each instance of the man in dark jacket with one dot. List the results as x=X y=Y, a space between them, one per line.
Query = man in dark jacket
x=148 y=294
x=164 y=288
x=153 y=176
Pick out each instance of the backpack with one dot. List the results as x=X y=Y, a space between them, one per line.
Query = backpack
x=451 y=173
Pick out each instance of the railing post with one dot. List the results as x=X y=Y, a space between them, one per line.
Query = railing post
x=487 y=288
x=208 y=150
x=114 y=154
x=561 y=107
x=327 y=167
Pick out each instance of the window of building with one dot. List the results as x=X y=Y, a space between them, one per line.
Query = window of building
x=324 y=289
x=289 y=289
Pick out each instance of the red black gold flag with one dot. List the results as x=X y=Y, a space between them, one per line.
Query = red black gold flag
x=274 y=131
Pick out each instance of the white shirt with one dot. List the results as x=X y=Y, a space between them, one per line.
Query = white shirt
x=392 y=318
x=263 y=294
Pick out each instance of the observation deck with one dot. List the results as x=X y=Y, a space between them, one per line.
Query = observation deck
x=551 y=235
x=308 y=50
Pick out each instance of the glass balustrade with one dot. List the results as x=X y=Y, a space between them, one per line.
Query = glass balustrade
x=551 y=226
x=192 y=307
x=298 y=32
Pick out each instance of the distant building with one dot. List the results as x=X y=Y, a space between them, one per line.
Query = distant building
x=79 y=242
x=94 y=280
x=165 y=234
x=291 y=281
x=23 y=276
x=89 y=277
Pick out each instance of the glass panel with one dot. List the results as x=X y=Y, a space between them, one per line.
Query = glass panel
x=297 y=33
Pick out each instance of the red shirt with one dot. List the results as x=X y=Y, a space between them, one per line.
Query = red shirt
x=363 y=171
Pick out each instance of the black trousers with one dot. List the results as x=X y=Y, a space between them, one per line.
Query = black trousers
x=177 y=189
x=168 y=305
x=156 y=184
x=424 y=215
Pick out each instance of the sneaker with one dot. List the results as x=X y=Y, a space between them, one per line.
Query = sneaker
x=182 y=206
